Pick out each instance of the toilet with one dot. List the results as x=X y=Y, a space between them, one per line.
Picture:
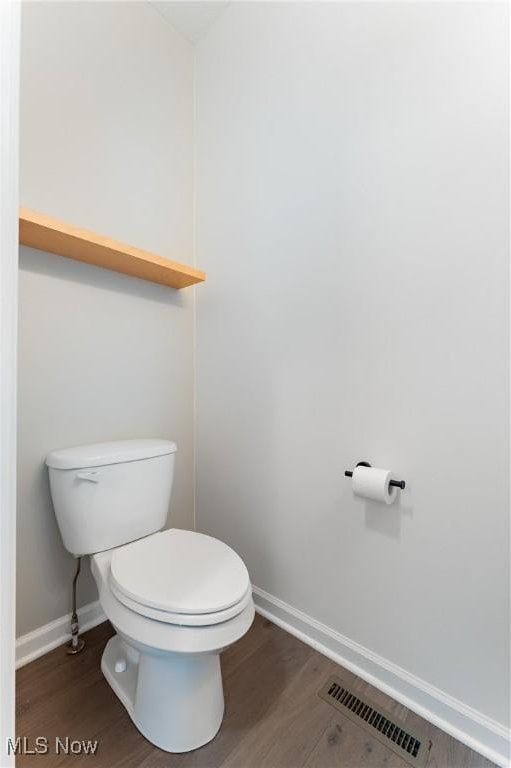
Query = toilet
x=175 y=598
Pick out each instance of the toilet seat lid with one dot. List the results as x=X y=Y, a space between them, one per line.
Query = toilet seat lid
x=181 y=572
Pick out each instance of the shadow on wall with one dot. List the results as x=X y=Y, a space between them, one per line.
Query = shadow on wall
x=386 y=518
x=70 y=270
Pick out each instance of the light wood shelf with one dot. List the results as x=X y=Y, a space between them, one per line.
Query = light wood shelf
x=48 y=234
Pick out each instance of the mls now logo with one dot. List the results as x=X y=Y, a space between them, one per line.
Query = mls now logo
x=41 y=746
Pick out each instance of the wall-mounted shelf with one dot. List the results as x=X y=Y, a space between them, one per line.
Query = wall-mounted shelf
x=48 y=234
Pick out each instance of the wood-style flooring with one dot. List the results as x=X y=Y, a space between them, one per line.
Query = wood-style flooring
x=273 y=715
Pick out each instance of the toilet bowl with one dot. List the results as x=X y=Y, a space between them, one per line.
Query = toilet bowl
x=175 y=598
x=164 y=665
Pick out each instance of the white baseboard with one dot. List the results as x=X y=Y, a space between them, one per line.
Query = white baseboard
x=44 y=639
x=480 y=733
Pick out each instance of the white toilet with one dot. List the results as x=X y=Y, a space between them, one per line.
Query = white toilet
x=175 y=598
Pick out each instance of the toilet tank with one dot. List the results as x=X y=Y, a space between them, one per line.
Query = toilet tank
x=107 y=494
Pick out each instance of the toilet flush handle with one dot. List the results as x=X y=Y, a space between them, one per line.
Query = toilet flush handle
x=92 y=477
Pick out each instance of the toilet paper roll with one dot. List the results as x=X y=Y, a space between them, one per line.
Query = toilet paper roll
x=373 y=483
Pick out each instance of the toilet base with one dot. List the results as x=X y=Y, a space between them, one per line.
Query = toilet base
x=175 y=700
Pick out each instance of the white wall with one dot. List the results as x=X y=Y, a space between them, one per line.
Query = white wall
x=106 y=143
x=9 y=143
x=352 y=217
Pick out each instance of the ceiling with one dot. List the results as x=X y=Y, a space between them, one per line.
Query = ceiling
x=190 y=17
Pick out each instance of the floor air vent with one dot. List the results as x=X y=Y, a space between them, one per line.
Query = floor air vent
x=381 y=724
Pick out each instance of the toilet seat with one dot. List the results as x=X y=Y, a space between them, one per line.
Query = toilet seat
x=180 y=577
x=183 y=619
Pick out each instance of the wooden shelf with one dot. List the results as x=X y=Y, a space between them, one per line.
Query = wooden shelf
x=48 y=234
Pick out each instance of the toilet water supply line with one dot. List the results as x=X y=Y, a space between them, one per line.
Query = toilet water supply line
x=77 y=643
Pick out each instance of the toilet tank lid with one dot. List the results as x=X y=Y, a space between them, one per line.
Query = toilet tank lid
x=102 y=454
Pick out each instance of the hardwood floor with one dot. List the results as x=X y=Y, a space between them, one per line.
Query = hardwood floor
x=274 y=717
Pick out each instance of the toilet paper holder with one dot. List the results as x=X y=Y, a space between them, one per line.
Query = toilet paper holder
x=396 y=483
